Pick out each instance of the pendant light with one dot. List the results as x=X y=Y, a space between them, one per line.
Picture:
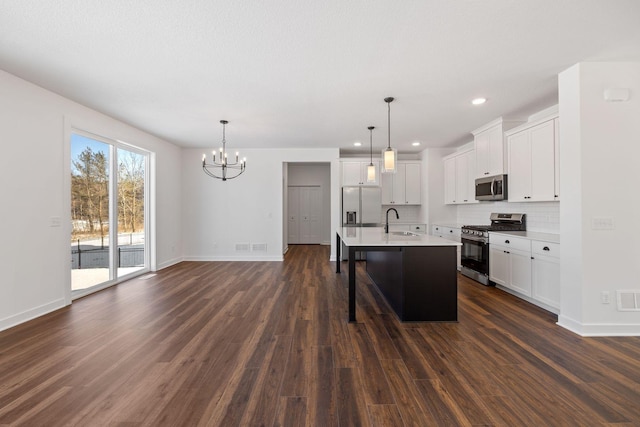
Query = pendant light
x=389 y=155
x=371 y=169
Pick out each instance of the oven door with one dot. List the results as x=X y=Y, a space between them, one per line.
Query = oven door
x=475 y=255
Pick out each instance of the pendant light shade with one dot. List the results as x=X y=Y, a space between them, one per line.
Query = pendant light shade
x=371 y=169
x=371 y=173
x=389 y=155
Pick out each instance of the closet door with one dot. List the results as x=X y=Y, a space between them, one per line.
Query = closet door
x=293 y=212
x=305 y=214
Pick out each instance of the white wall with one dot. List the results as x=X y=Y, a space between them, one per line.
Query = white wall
x=34 y=175
x=599 y=152
x=315 y=174
x=218 y=215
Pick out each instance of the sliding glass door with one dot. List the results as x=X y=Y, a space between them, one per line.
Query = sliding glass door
x=108 y=205
x=130 y=256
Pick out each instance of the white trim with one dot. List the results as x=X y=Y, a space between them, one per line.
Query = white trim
x=169 y=263
x=599 y=329
x=552 y=112
x=529 y=125
x=25 y=316
x=149 y=210
x=234 y=258
x=508 y=121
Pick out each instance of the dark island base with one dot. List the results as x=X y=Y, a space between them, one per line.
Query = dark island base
x=420 y=283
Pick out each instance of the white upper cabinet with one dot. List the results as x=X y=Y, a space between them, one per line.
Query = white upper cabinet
x=404 y=186
x=355 y=173
x=489 y=152
x=556 y=126
x=459 y=178
x=489 y=147
x=450 y=180
x=413 y=183
x=532 y=162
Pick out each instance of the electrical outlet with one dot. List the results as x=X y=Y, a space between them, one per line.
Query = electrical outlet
x=605 y=297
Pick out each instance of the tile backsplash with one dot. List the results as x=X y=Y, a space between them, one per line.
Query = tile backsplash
x=542 y=217
x=408 y=214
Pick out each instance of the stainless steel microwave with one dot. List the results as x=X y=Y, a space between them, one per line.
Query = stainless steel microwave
x=491 y=188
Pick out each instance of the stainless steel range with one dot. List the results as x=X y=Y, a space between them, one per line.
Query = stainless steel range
x=475 y=243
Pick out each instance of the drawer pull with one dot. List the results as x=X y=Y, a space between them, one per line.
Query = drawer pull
x=546 y=248
x=506 y=241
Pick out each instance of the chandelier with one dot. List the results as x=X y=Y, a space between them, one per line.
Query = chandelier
x=222 y=168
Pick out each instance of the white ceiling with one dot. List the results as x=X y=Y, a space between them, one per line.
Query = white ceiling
x=310 y=73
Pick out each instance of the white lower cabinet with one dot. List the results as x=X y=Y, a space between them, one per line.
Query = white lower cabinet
x=450 y=233
x=414 y=228
x=510 y=262
x=530 y=268
x=545 y=266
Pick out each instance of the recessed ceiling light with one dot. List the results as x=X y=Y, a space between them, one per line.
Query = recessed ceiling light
x=415 y=144
x=479 y=101
x=357 y=144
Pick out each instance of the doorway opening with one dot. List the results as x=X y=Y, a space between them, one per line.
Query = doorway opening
x=307 y=203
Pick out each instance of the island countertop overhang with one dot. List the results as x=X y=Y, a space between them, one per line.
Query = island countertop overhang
x=376 y=237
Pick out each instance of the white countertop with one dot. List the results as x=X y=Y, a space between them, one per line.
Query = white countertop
x=375 y=236
x=532 y=235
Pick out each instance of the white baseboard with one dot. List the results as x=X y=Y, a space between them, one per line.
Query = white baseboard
x=169 y=263
x=599 y=329
x=279 y=258
x=16 y=319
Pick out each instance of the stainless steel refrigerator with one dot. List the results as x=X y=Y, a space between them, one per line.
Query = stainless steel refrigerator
x=361 y=207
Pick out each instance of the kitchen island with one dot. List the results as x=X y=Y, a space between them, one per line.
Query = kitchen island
x=416 y=273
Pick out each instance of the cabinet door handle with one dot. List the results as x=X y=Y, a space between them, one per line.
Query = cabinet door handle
x=506 y=252
x=546 y=248
x=532 y=258
x=506 y=241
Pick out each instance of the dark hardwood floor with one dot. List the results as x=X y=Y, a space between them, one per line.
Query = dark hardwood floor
x=268 y=343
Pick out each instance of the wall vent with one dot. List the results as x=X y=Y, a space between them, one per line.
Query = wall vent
x=259 y=247
x=243 y=247
x=628 y=300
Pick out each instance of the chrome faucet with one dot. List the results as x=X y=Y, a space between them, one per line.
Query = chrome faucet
x=386 y=226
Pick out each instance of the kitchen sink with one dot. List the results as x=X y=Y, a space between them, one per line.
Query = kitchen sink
x=404 y=233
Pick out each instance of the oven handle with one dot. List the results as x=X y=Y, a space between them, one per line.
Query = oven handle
x=480 y=240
